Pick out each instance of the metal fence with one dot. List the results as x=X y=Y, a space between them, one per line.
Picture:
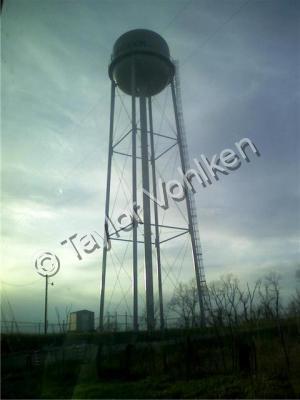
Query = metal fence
x=113 y=322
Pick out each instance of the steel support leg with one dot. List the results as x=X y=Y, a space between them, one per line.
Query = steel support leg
x=157 y=242
x=134 y=203
x=108 y=180
x=147 y=216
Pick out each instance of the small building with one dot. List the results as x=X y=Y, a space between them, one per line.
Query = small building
x=81 y=321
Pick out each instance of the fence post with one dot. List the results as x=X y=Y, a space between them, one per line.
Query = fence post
x=116 y=321
x=108 y=320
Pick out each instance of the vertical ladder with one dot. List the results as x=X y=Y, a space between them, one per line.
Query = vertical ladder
x=194 y=218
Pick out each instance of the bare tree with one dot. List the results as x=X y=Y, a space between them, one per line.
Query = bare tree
x=293 y=307
x=225 y=301
x=184 y=303
x=232 y=298
x=294 y=304
x=247 y=300
x=270 y=300
x=272 y=307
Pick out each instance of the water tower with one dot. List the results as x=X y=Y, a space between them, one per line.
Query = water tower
x=141 y=68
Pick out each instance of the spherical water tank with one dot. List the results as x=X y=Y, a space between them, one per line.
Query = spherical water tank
x=150 y=55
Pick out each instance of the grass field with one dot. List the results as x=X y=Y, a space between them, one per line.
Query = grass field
x=179 y=364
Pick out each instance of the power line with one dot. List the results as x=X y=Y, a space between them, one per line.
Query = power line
x=216 y=31
x=179 y=13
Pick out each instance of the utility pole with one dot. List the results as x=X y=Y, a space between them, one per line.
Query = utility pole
x=46 y=307
x=47 y=265
x=46 y=304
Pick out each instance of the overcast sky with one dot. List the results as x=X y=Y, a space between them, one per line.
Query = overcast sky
x=239 y=66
